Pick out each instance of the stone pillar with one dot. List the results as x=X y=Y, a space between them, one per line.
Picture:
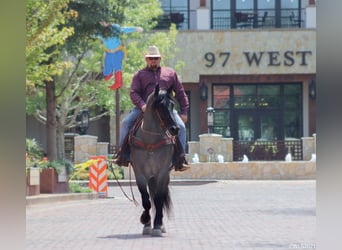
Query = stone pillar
x=85 y=146
x=194 y=148
x=102 y=148
x=310 y=17
x=227 y=149
x=203 y=18
x=210 y=147
x=308 y=147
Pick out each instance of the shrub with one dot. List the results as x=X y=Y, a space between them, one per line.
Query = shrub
x=81 y=171
x=77 y=188
x=33 y=153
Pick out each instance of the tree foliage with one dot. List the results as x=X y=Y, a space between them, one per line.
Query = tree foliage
x=45 y=34
x=67 y=33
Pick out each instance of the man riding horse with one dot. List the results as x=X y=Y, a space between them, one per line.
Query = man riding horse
x=143 y=84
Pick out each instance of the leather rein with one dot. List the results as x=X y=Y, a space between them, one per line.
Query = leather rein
x=135 y=141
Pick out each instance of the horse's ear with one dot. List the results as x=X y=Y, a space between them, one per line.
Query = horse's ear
x=156 y=90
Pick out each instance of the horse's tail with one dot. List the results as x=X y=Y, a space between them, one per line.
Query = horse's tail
x=161 y=195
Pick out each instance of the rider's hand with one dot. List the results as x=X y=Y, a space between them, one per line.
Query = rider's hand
x=143 y=108
x=184 y=118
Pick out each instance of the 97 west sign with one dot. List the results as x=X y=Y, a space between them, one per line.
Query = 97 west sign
x=270 y=58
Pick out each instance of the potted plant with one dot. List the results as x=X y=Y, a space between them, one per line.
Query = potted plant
x=54 y=176
x=33 y=157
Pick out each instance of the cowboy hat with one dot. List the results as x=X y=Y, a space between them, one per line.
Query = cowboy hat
x=152 y=51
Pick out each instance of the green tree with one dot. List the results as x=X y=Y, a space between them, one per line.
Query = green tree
x=79 y=85
x=45 y=34
x=87 y=13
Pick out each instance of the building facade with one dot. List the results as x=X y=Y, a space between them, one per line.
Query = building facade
x=260 y=80
x=252 y=61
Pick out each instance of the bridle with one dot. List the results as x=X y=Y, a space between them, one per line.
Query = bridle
x=168 y=140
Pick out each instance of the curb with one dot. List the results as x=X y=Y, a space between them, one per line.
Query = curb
x=49 y=198
x=125 y=182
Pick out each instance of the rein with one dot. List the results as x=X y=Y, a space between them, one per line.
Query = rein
x=130 y=184
x=170 y=139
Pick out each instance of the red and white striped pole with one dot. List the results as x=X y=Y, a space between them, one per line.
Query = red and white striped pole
x=98 y=175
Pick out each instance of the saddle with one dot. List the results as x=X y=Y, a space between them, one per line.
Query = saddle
x=122 y=155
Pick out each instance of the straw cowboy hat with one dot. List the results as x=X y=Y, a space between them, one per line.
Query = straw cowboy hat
x=152 y=51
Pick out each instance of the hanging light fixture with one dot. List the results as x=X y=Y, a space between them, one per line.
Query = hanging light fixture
x=203 y=92
x=85 y=115
x=312 y=89
x=210 y=119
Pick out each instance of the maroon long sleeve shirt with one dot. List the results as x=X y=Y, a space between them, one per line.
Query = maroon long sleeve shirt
x=145 y=80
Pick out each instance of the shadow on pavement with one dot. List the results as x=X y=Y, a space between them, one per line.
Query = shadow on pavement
x=123 y=236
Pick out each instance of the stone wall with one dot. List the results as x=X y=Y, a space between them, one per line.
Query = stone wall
x=86 y=146
x=254 y=41
x=257 y=170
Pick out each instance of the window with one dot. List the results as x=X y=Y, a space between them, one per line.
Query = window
x=221 y=14
x=292 y=106
x=175 y=11
x=241 y=14
x=258 y=111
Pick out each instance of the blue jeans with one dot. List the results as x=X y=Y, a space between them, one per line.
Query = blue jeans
x=127 y=124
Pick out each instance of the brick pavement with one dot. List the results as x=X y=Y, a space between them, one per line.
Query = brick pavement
x=220 y=215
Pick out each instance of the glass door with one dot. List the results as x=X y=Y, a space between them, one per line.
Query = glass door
x=246 y=126
x=269 y=127
x=251 y=125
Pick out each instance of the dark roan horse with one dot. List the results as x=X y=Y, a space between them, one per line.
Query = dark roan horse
x=152 y=149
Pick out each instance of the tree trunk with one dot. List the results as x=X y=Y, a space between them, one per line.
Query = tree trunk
x=51 y=123
x=60 y=143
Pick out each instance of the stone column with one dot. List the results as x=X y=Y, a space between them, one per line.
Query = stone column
x=227 y=149
x=308 y=147
x=310 y=17
x=314 y=136
x=203 y=18
x=85 y=146
x=210 y=147
x=102 y=148
x=194 y=148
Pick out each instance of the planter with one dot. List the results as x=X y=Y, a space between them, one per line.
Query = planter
x=32 y=181
x=50 y=183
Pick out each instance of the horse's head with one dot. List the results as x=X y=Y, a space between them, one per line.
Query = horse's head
x=162 y=104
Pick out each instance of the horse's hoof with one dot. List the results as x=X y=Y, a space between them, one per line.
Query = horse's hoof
x=157 y=232
x=147 y=230
x=163 y=229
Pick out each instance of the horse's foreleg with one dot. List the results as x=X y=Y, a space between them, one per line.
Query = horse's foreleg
x=145 y=217
x=159 y=201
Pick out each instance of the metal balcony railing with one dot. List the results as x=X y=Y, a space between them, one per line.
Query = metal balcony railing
x=267 y=150
x=262 y=18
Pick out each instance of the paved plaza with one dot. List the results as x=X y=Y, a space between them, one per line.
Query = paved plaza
x=209 y=215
